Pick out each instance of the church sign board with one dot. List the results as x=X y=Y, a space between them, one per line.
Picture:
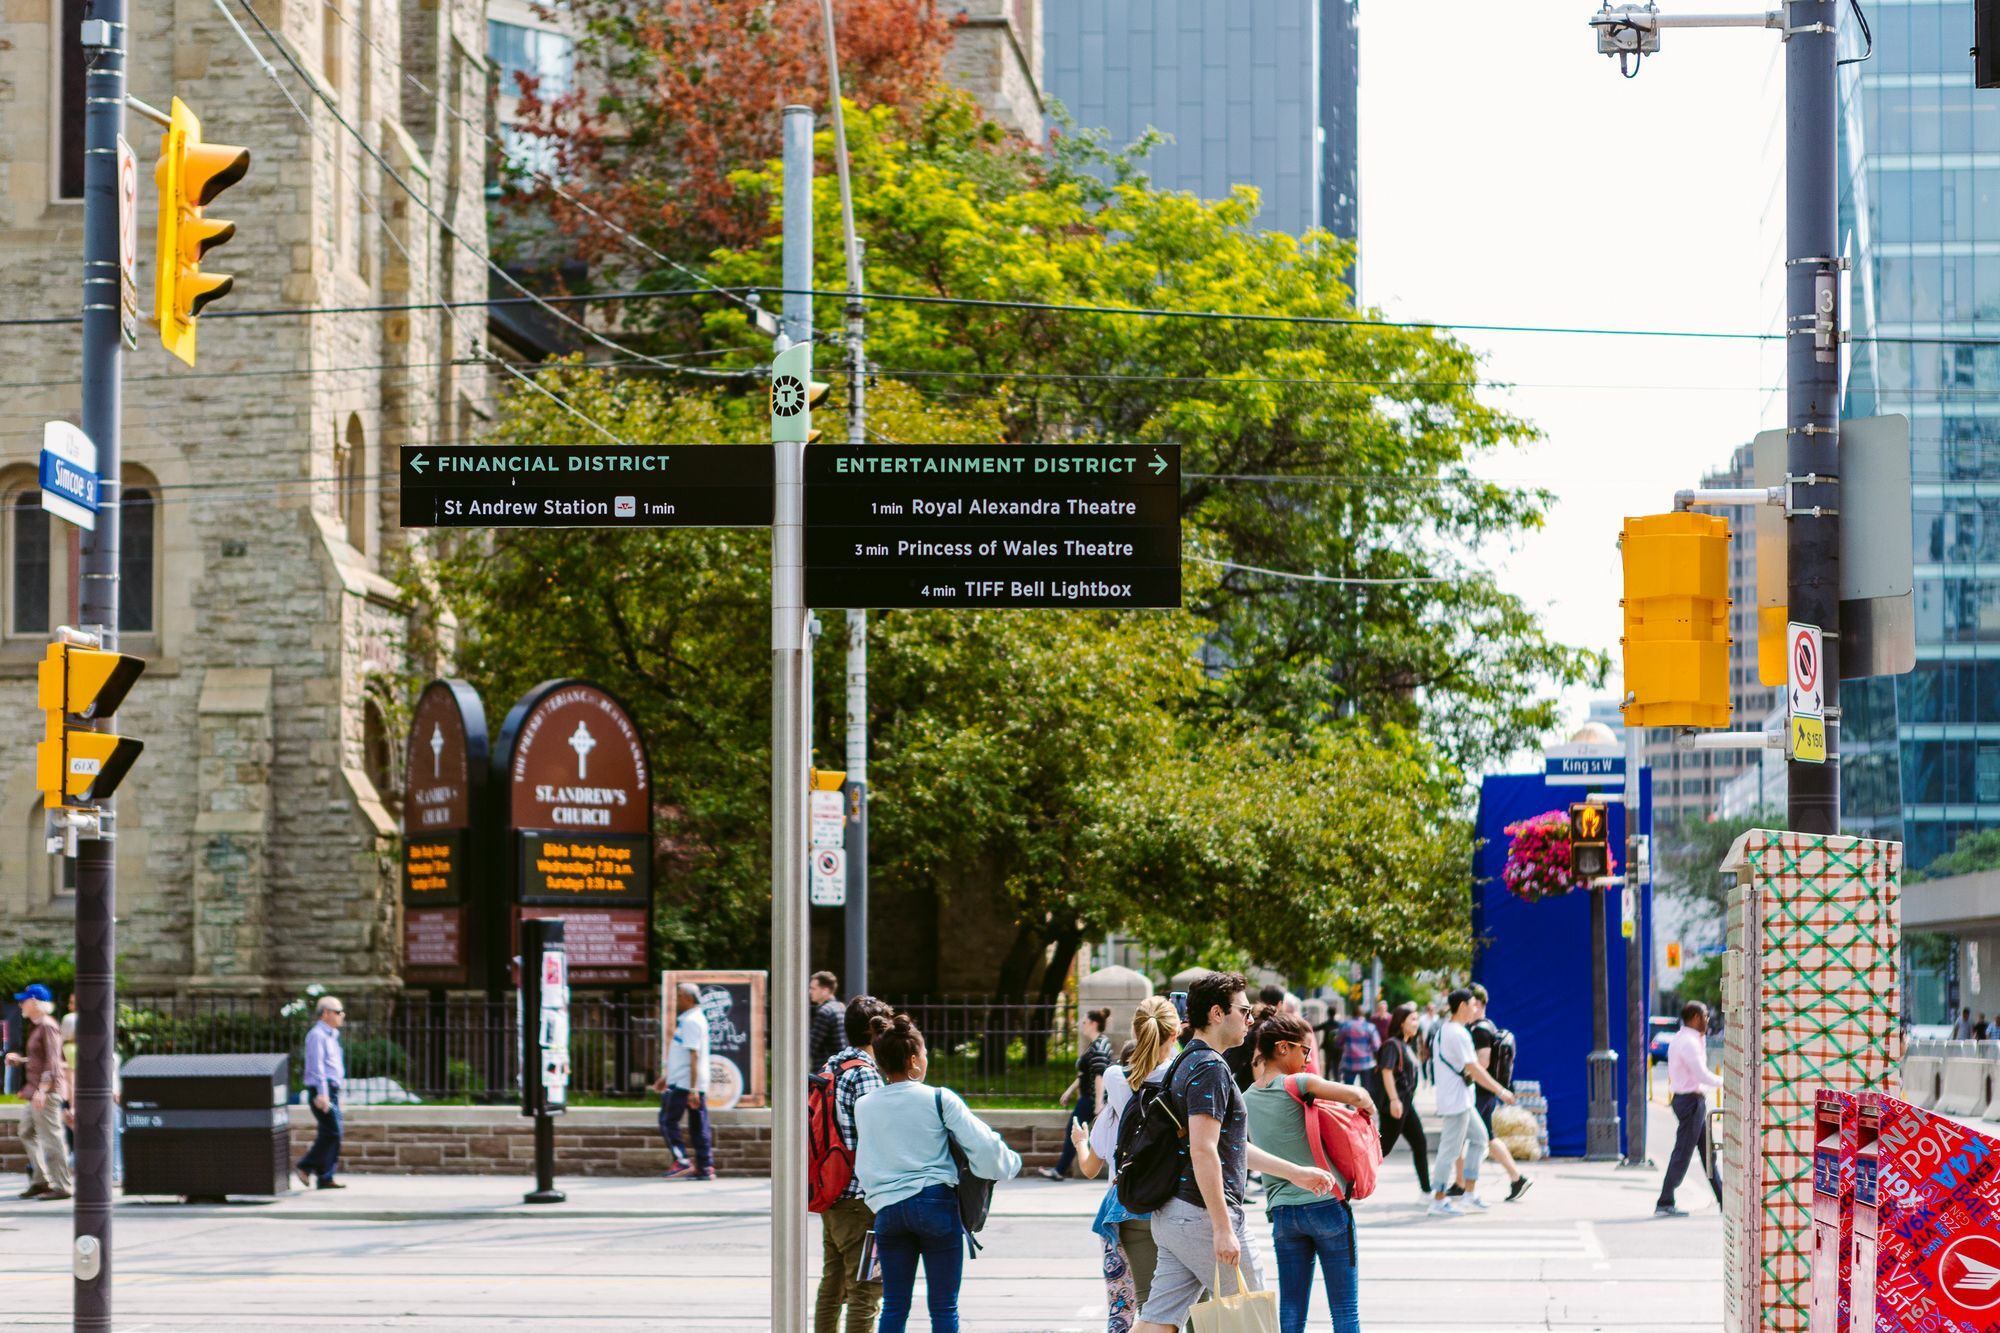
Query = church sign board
x=579 y=828
x=445 y=771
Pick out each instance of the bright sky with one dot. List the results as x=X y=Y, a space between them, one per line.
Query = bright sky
x=1510 y=176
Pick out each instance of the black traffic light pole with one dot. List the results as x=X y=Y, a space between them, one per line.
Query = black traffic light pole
x=104 y=36
x=1812 y=384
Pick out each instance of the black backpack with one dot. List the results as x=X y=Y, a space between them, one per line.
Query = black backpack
x=1152 y=1144
x=1501 y=1065
x=975 y=1193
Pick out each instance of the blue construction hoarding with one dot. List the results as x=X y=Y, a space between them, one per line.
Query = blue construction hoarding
x=1535 y=957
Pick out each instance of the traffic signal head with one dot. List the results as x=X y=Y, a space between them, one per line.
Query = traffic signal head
x=1589 y=842
x=190 y=175
x=73 y=764
x=1676 y=641
x=794 y=395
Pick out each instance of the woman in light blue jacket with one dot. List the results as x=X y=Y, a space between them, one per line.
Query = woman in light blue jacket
x=903 y=1163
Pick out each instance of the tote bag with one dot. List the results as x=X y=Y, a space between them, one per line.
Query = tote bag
x=1245 y=1312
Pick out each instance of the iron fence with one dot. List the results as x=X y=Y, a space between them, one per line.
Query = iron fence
x=420 y=1048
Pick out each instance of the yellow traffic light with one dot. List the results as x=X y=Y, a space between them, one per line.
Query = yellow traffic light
x=73 y=764
x=190 y=175
x=1676 y=604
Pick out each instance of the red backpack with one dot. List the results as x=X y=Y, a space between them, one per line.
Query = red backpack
x=829 y=1161
x=1344 y=1141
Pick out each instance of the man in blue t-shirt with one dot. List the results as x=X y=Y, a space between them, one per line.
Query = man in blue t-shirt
x=1200 y=1230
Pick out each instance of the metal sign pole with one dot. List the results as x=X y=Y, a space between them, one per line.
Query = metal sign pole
x=104 y=39
x=1812 y=384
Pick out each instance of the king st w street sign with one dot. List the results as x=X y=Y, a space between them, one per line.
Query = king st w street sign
x=1583 y=765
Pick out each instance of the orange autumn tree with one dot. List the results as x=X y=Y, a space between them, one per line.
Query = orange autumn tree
x=671 y=96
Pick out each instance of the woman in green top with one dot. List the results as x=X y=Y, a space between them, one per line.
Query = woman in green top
x=1304 y=1227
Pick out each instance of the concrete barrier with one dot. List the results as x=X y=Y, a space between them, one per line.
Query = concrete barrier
x=1922 y=1072
x=1967 y=1086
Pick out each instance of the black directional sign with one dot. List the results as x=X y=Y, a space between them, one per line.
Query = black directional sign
x=587 y=486
x=906 y=526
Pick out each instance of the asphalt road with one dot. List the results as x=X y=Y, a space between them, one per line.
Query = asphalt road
x=1580 y=1252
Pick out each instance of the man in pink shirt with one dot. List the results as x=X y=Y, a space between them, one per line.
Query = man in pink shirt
x=1688 y=1078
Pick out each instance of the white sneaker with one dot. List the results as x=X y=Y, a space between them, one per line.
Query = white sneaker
x=1477 y=1202
x=1444 y=1208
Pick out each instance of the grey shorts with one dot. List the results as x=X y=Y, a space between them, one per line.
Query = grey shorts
x=1186 y=1263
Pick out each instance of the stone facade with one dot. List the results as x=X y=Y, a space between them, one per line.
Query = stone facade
x=997 y=57
x=255 y=849
x=590 y=1140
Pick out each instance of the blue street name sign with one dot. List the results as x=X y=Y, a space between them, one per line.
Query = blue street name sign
x=69 y=474
x=1583 y=765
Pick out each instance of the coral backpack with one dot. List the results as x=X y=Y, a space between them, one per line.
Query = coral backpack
x=1344 y=1141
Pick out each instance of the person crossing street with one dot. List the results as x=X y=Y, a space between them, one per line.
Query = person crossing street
x=1688 y=1079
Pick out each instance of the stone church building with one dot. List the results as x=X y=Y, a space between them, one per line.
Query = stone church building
x=256 y=832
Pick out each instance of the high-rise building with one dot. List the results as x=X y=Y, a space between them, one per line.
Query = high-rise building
x=1688 y=783
x=1920 y=221
x=1251 y=94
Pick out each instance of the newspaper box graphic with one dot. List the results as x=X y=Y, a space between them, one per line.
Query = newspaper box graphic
x=1832 y=1212
x=1938 y=1224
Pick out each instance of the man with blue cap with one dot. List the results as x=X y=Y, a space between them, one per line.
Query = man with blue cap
x=46 y=1089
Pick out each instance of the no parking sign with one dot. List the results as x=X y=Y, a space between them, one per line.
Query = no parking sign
x=829 y=877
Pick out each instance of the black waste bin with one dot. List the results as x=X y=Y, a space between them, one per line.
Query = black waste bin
x=206 y=1126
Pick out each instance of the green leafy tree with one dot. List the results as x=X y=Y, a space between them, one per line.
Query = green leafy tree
x=1972 y=853
x=1340 y=450
x=1691 y=853
x=1067 y=765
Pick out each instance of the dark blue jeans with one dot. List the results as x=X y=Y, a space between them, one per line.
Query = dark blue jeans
x=1301 y=1233
x=323 y=1158
x=925 y=1226
x=679 y=1104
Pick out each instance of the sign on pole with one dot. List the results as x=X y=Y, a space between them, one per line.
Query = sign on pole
x=987 y=525
x=829 y=877
x=585 y=486
x=1583 y=765
x=1805 y=692
x=128 y=244
x=69 y=474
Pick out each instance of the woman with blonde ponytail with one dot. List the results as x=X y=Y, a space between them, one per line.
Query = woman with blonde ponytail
x=1129 y=1253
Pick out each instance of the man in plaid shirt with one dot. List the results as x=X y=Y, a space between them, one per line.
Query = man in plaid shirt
x=847 y=1222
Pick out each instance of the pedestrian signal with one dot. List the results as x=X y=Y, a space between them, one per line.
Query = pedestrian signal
x=190 y=175
x=1589 y=842
x=1673 y=953
x=74 y=765
x=1676 y=640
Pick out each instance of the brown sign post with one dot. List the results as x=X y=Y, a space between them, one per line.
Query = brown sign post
x=446 y=769
x=578 y=796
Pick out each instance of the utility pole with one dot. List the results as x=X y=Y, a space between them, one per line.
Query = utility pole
x=791 y=749
x=1813 y=336
x=104 y=37
x=855 y=963
x=1600 y=1143
x=1638 y=1064
x=1812 y=383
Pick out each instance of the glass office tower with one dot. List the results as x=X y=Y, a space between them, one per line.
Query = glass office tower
x=1920 y=220
x=1259 y=94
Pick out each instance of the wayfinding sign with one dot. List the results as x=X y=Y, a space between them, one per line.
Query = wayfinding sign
x=988 y=525
x=587 y=486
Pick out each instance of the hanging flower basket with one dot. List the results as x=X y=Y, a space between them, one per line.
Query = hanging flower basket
x=1538 y=858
